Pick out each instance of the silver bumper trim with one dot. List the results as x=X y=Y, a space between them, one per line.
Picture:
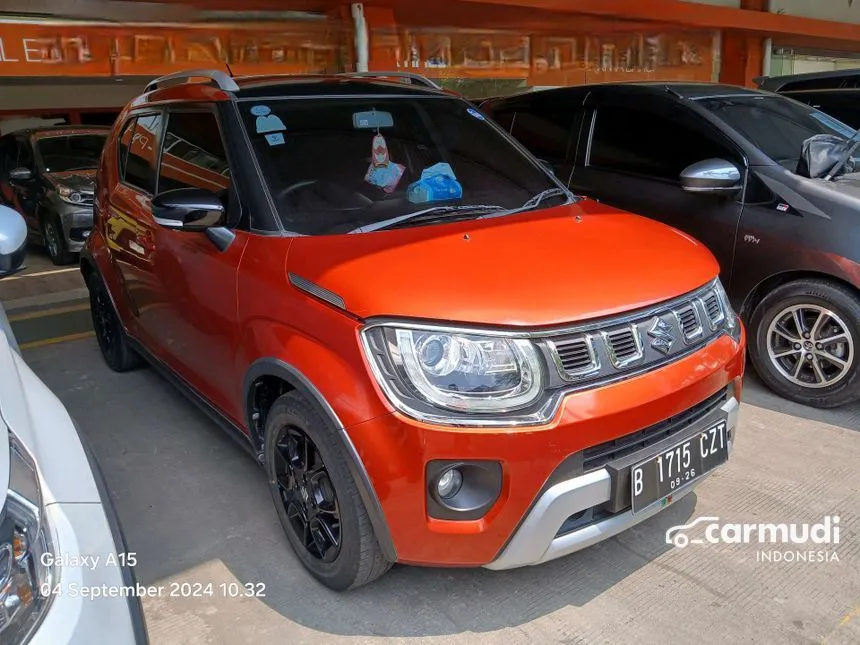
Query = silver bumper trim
x=535 y=541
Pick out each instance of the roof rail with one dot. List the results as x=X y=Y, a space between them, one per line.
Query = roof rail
x=418 y=79
x=221 y=79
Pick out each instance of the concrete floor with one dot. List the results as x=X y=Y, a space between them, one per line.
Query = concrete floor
x=196 y=509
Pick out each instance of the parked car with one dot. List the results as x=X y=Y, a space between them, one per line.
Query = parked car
x=54 y=510
x=47 y=175
x=408 y=321
x=837 y=92
x=726 y=165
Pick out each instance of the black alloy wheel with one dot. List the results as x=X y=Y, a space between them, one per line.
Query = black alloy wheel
x=307 y=494
x=112 y=339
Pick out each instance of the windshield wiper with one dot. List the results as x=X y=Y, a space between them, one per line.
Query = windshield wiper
x=533 y=202
x=436 y=212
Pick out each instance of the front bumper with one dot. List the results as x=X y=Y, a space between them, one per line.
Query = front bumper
x=77 y=222
x=538 y=540
x=542 y=467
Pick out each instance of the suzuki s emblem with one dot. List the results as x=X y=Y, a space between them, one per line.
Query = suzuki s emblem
x=661 y=336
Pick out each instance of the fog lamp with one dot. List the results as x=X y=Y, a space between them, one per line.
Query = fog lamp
x=449 y=483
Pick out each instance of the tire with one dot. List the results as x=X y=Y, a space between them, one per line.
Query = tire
x=831 y=377
x=356 y=559
x=113 y=341
x=55 y=241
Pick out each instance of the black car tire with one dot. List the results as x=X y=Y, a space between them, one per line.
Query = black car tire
x=58 y=250
x=812 y=293
x=359 y=558
x=112 y=339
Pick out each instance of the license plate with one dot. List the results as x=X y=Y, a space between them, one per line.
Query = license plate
x=661 y=475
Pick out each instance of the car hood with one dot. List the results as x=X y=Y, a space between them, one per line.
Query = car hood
x=82 y=181
x=548 y=267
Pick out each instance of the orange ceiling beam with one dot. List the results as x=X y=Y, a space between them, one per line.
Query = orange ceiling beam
x=692 y=14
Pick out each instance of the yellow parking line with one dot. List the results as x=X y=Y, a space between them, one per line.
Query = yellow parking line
x=39 y=273
x=58 y=339
x=49 y=312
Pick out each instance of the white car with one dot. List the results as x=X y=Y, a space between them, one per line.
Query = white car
x=55 y=513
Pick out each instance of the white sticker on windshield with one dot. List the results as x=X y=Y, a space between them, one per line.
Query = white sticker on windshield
x=266 y=121
x=275 y=138
x=476 y=114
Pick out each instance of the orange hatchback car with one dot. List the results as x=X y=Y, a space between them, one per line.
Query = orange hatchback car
x=439 y=354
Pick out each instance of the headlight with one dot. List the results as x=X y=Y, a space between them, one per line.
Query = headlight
x=69 y=195
x=452 y=376
x=732 y=322
x=24 y=537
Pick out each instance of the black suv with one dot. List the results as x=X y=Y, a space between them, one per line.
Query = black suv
x=47 y=175
x=741 y=170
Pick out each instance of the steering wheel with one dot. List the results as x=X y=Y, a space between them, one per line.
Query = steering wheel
x=328 y=191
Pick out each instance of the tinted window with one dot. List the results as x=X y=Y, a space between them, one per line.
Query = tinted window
x=776 y=125
x=124 y=142
x=193 y=155
x=25 y=154
x=72 y=152
x=647 y=143
x=845 y=109
x=8 y=155
x=504 y=117
x=546 y=132
x=142 y=142
x=330 y=171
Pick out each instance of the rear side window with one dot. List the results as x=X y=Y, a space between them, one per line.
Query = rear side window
x=194 y=154
x=647 y=143
x=139 y=145
x=546 y=132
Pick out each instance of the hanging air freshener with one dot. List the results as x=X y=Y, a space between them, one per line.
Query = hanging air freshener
x=382 y=172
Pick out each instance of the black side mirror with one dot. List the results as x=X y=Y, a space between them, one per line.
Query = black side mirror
x=20 y=174
x=711 y=176
x=13 y=241
x=188 y=209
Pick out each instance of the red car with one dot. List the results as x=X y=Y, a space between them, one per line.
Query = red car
x=439 y=354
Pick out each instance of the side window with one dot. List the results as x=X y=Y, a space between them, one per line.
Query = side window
x=546 y=132
x=504 y=117
x=139 y=170
x=25 y=154
x=124 y=143
x=194 y=154
x=8 y=155
x=646 y=143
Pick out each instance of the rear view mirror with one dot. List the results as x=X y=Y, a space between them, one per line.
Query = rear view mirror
x=713 y=176
x=13 y=240
x=372 y=120
x=20 y=174
x=188 y=209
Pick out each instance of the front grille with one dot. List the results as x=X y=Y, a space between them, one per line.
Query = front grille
x=577 y=355
x=713 y=309
x=598 y=456
x=624 y=346
x=689 y=321
x=604 y=350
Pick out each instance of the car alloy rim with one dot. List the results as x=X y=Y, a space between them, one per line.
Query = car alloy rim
x=811 y=346
x=103 y=321
x=53 y=241
x=307 y=494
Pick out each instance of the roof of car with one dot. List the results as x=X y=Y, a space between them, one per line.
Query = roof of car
x=821 y=80
x=325 y=85
x=685 y=90
x=59 y=130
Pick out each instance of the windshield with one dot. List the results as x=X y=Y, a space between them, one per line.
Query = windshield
x=776 y=125
x=71 y=152
x=345 y=165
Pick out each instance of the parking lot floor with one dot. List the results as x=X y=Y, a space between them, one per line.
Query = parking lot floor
x=195 y=508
